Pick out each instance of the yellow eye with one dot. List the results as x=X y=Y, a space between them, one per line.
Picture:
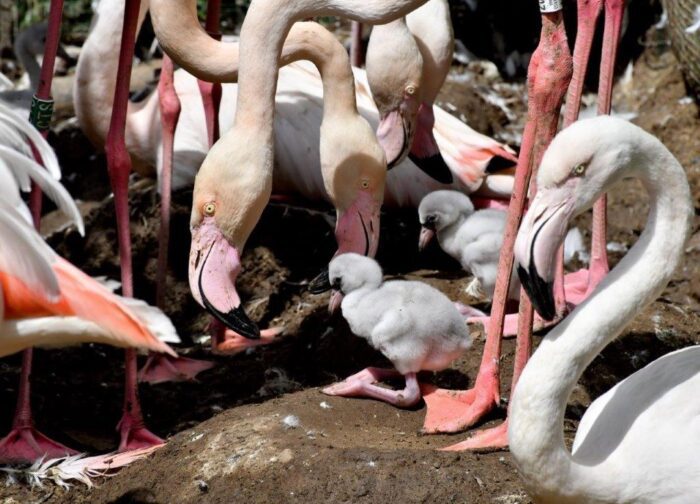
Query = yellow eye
x=411 y=90
x=209 y=209
x=365 y=184
x=578 y=170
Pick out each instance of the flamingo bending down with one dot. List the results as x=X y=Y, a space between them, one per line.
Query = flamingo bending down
x=44 y=300
x=407 y=63
x=170 y=24
x=413 y=324
x=638 y=442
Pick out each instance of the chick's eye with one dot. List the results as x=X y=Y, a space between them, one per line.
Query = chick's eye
x=209 y=209
x=578 y=170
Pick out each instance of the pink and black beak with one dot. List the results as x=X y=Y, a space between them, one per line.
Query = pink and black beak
x=427 y=232
x=425 y=152
x=213 y=270
x=357 y=230
x=542 y=232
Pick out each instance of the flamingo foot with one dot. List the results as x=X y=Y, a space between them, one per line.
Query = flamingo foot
x=160 y=368
x=135 y=435
x=457 y=410
x=362 y=384
x=484 y=440
x=26 y=445
x=234 y=343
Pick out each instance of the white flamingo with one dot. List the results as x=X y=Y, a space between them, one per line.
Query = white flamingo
x=638 y=443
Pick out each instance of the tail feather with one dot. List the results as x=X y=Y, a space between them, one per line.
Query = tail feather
x=82 y=297
x=467 y=152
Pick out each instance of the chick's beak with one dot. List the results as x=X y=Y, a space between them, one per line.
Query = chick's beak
x=213 y=269
x=541 y=233
x=426 y=236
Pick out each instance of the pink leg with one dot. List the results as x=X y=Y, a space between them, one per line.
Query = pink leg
x=496 y=438
x=548 y=78
x=356 y=44
x=362 y=384
x=164 y=368
x=24 y=443
x=132 y=430
x=131 y=427
x=233 y=343
x=614 y=10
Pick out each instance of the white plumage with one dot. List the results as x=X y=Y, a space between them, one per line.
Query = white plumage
x=413 y=324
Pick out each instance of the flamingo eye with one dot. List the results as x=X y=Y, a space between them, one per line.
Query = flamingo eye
x=209 y=209
x=365 y=184
x=410 y=90
x=578 y=170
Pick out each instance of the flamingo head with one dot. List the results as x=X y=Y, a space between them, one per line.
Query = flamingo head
x=230 y=193
x=579 y=164
x=354 y=170
x=394 y=72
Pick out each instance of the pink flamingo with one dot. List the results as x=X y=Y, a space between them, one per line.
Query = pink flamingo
x=22 y=425
x=485 y=396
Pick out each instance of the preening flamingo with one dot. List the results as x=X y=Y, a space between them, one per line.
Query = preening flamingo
x=638 y=442
x=413 y=324
x=45 y=300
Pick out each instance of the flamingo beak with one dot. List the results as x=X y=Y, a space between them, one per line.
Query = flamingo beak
x=394 y=135
x=541 y=233
x=357 y=230
x=426 y=236
x=425 y=152
x=213 y=270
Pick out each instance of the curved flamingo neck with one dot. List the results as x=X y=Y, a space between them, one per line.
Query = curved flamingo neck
x=539 y=401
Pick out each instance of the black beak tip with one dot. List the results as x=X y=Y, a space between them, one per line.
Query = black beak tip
x=435 y=167
x=541 y=292
x=320 y=284
x=236 y=319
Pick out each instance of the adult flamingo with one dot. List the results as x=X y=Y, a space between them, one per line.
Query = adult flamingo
x=548 y=77
x=46 y=300
x=211 y=61
x=407 y=63
x=638 y=442
x=485 y=396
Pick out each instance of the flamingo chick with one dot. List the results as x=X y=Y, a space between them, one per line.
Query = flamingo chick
x=474 y=238
x=414 y=325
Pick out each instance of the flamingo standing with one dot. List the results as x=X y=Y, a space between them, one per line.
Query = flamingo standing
x=638 y=442
x=548 y=78
x=45 y=300
x=413 y=324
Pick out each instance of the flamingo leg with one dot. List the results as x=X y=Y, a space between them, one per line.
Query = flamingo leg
x=24 y=443
x=614 y=10
x=131 y=426
x=363 y=384
x=164 y=368
x=548 y=78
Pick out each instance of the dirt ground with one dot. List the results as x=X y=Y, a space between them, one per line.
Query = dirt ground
x=227 y=436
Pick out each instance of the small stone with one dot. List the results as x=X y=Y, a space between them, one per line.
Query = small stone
x=202 y=485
